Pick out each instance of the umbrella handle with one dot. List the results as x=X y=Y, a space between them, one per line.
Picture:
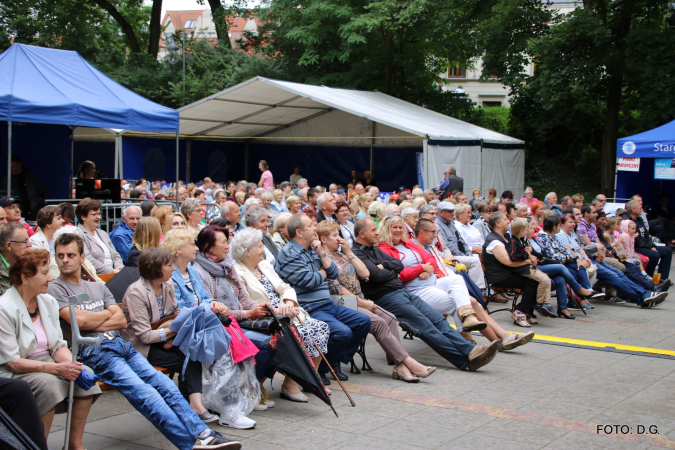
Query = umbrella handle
x=274 y=316
x=333 y=372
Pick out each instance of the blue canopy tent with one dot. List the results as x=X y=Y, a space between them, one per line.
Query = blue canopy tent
x=651 y=145
x=48 y=86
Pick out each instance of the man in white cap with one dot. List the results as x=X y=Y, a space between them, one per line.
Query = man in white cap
x=454 y=247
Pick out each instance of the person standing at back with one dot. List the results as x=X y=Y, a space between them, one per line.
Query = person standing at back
x=26 y=186
x=455 y=183
x=266 y=180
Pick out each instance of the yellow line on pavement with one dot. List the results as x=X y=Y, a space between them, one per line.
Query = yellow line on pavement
x=562 y=340
x=630 y=348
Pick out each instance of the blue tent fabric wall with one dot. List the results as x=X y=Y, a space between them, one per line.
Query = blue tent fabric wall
x=324 y=165
x=208 y=158
x=43 y=148
x=643 y=183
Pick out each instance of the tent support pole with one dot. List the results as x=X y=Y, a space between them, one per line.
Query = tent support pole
x=425 y=169
x=246 y=160
x=120 y=160
x=9 y=158
x=117 y=155
x=72 y=162
x=372 y=153
x=480 y=182
x=177 y=167
x=188 y=164
x=616 y=176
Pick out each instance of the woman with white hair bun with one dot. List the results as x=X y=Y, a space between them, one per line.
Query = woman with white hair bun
x=265 y=286
x=376 y=211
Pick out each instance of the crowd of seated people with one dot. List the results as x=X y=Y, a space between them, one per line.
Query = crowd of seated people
x=420 y=261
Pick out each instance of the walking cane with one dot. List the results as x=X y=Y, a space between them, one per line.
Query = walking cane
x=77 y=340
x=329 y=366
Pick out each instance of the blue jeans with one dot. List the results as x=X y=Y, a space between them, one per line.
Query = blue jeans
x=626 y=288
x=561 y=276
x=347 y=328
x=579 y=275
x=662 y=254
x=151 y=392
x=434 y=329
x=263 y=359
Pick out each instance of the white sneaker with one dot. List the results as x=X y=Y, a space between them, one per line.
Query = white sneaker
x=240 y=423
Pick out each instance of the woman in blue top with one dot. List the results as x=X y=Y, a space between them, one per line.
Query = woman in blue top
x=188 y=286
x=190 y=292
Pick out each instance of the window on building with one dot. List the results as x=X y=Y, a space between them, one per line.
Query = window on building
x=457 y=72
x=491 y=104
x=189 y=24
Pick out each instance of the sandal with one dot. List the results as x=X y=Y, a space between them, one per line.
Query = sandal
x=519 y=319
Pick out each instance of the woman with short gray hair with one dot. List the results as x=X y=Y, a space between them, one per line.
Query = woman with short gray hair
x=257 y=218
x=265 y=286
x=192 y=210
x=281 y=237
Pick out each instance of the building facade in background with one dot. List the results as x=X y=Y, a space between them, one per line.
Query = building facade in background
x=490 y=91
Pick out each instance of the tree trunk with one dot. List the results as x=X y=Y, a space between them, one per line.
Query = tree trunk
x=609 y=135
x=220 y=20
x=126 y=28
x=155 y=28
x=616 y=71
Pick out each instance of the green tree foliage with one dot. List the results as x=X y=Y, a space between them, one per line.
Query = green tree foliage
x=79 y=25
x=602 y=72
x=396 y=47
x=208 y=70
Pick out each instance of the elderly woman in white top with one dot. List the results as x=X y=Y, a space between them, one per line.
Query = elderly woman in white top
x=264 y=286
x=471 y=235
x=192 y=211
x=278 y=201
x=49 y=220
x=98 y=248
x=281 y=236
x=32 y=347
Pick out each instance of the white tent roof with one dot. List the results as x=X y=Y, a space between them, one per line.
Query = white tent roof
x=284 y=111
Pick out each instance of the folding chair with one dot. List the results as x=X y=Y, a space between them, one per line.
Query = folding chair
x=516 y=292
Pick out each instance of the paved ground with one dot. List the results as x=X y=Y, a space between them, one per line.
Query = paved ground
x=538 y=396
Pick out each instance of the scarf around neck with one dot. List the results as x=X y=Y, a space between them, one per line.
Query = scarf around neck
x=220 y=288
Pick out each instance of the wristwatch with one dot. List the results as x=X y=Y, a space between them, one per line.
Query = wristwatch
x=324 y=254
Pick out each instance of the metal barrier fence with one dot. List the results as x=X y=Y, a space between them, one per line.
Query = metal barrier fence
x=111 y=213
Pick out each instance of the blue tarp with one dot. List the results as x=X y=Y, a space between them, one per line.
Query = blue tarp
x=43 y=85
x=656 y=143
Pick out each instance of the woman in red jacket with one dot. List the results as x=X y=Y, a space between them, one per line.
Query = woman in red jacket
x=443 y=290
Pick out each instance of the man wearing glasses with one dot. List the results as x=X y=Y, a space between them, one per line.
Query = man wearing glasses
x=13 y=238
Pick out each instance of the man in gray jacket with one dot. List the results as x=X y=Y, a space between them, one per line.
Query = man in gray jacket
x=304 y=265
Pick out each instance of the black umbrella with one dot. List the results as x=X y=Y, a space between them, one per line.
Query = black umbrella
x=119 y=283
x=292 y=358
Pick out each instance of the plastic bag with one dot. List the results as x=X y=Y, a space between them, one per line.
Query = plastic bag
x=231 y=390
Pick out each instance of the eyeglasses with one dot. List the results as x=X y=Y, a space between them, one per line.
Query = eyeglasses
x=98 y=214
x=430 y=214
x=20 y=242
x=431 y=231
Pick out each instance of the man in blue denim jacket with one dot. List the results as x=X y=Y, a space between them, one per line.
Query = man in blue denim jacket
x=306 y=267
x=116 y=363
